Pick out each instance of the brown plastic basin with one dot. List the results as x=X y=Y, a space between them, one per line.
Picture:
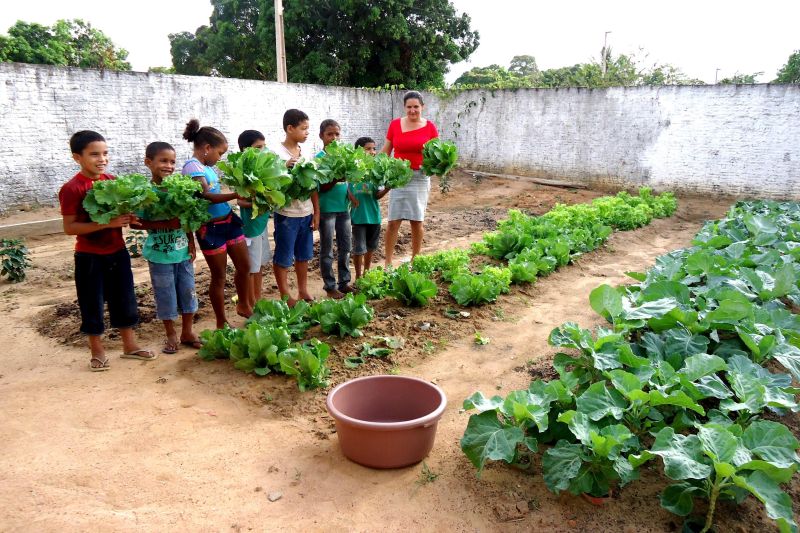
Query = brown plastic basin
x=386 y=421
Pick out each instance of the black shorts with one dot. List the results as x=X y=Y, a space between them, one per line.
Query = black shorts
x=215 y=237
x=103 y=278
x=365 y=238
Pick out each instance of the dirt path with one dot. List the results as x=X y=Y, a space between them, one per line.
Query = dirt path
x=183 y=445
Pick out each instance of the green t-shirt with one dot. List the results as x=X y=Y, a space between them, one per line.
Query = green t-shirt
x=334 y=200
x=253 y=227
x=166 y=246
x=368 y=210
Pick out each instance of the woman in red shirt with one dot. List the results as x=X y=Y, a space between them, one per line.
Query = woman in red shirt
x=406 y=136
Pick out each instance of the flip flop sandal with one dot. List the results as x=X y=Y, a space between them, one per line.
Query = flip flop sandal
x=104 y=365
x=169 y=348
x=196 y=344
x=138 y=354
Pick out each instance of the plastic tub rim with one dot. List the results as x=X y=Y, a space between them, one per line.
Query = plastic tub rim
x=425 y=421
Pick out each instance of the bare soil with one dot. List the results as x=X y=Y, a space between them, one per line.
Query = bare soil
x=180 y=444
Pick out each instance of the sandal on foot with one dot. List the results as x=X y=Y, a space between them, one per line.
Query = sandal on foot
x=104 y=364
x=142 y=355
x=169 y=347
x=196 y=343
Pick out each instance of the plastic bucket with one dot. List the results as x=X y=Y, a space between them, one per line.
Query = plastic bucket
x=386 y=421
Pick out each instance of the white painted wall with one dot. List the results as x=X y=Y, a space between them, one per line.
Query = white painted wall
x=739 y=140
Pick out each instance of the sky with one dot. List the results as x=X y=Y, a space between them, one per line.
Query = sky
x=697 y=36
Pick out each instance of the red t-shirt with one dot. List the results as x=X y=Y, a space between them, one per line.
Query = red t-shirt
x=104 y=241
x=408 y=145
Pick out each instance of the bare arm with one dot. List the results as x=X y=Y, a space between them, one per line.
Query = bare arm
x=73 y=227
x=215 y=197
x=387 y=147
x=156 y=224
x=315 y=216
x=381 y=194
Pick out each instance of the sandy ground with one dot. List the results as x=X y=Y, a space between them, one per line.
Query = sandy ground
x=184 y=445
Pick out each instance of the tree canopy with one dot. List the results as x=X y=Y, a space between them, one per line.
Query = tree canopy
x=71 y=43
x=620 y=70
x=790 y=72
x=359 y=43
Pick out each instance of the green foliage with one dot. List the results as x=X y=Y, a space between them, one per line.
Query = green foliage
x=438 y=158
x=741 y=78
x=69 y=43
x=343 y=317
x=259 y=175
x=264 y=347
x=217 y=343
x=475 y=289
x=306 y=179
x=375 y=283
x=306 y=362
x=412 y=288
x=409 y=43
x=389 y=172
x=344 y=162
x=621 y=70
x=277 y=313
x=180 y=197
x=126 y=194
x=683 y=363
x=726 y=461
x=14 y=259
x=790 y=72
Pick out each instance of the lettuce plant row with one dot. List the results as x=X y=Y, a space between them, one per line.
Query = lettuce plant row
x=531 y=246
x=266 y=343
x=695 y=359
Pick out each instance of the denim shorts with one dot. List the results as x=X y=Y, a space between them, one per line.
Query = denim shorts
x=103 y=278
x=214 y=237
x=294 y=240
x=259 y=252
x=173 y=287
x=365 y=238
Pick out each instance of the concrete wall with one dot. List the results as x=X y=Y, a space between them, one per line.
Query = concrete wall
x=40 y=107
x=742 y=140
x=735 y=140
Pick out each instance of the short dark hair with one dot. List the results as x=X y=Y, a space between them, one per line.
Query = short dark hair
x=82 y=139
x=327 y=123
x=205 y=135
x=155 y=148
x=363 y=141
x=413 y=94
x=293 y=117
x=248 y=137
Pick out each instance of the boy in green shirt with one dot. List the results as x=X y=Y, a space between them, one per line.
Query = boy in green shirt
x=254 y=229
x=334 y=199
x=365 y=216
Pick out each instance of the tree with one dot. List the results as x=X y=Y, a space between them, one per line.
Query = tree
x=738 y=79
x=790 y=72
x=491 y=76
x=362 y=43
x=72 y=43
x=524 y=66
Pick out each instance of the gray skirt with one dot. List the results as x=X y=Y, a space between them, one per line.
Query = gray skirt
x=409 y=202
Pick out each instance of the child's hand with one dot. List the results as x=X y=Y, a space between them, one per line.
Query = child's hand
x=355 y=202
x=315 y=222
x=120 y=221
x=290 y=162
x=192 y=251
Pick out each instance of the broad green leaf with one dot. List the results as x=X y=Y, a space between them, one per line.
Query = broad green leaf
x=682 y=454
x=561 y=464
x=606 y=301
x=481 y=403
x=768 y=492
x=772 y=442
x=486 y=438
x=678 y=498
x=598 y=401
x=698 y=366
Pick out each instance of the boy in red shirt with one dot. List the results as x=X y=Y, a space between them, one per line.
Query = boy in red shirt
x=102 y=264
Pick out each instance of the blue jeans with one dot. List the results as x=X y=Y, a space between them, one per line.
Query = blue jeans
x=340 y=223
x=294 y=240
x=173 y=288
